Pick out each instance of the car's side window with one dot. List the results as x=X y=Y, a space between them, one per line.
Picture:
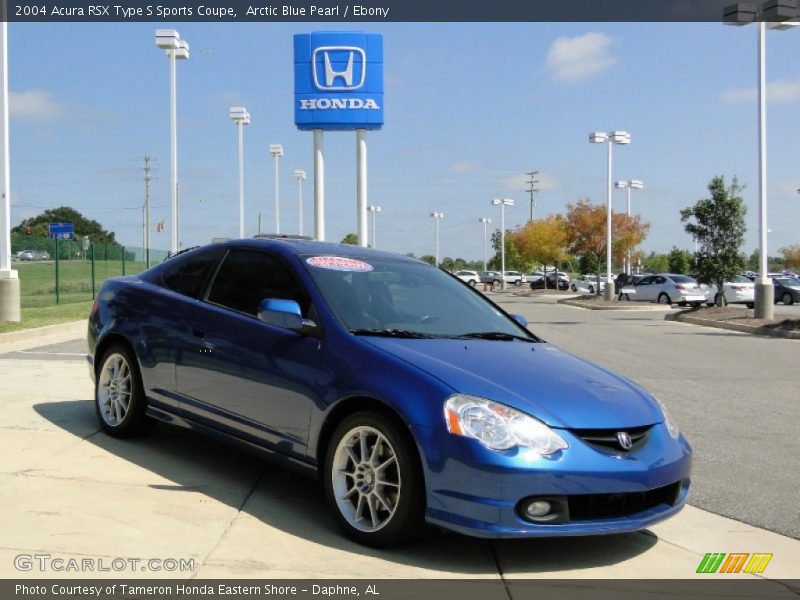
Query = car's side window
x=645 y=281
x=660 y=280
x=189 y=273
x=246 y=277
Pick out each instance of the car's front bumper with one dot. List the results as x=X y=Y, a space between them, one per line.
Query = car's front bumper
x=477 y=491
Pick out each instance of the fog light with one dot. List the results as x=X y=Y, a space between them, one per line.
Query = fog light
x=537 y=508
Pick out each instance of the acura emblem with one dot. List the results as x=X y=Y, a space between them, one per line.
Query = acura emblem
x=624 y=440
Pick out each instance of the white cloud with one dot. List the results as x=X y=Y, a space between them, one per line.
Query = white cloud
x=466 y=166
x=780 y=90
x=575 y=59
x=34 y=105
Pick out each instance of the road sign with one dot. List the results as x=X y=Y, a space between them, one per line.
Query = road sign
x=62 y=231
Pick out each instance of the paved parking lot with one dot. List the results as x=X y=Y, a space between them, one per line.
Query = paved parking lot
x=69 y=490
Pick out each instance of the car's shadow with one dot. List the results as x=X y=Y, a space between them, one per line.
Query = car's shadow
x=296 y=504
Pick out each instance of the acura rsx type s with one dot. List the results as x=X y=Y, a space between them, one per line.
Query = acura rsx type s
x=411 y=396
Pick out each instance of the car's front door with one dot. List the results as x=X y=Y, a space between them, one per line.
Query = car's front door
x=240 y=374
x=644 y=290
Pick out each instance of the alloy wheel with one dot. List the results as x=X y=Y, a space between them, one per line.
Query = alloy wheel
x=114 y=389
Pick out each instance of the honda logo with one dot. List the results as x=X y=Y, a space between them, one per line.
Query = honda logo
x=624 y=440
x=335 y=68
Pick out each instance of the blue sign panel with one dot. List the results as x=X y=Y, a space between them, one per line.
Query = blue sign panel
x=338 y=80
x=62 y=231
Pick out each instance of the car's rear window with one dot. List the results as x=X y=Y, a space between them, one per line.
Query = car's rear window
x=681 y=279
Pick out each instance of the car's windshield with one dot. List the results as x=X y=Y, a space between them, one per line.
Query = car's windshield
x=387 y=295
x=789 y=281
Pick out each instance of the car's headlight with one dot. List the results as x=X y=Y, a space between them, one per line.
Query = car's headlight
x=499 y=427
x=671 y=426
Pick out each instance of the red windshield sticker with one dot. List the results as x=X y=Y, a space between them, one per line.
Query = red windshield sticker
x=339 y=263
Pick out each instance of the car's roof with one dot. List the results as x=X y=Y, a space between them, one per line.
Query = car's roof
x=306 y=246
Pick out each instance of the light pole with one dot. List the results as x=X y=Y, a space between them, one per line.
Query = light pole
x=176 y=48
x=610 y=138
x=502 y=203
x=632 y=184
x=437 y=216
x=276 y=150
x=779 y=16
x=9 y=278
x=300 y=175
x=241 y=117
x=485 y=221
x=373 y=210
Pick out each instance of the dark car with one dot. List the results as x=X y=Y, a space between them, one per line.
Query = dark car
x=787 y=290
x=409 y=395
x=563 y=282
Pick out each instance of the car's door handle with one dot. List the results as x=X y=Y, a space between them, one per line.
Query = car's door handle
x=199 y=334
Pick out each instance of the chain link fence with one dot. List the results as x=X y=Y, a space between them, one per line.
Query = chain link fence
x=61 y=272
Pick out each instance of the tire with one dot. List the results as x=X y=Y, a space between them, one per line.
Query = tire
x=496 y=284
x=518 y=282
x=397 y=516
x=751 y=305
x=625 y=297
x=591 y=289
x=682 y=304
x=573 y=288
x=472 y=283
x=663 y=298
x=118 y=377
x=788 y=299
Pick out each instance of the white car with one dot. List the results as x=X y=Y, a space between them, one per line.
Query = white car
x=514 y=278
x=739 y=291
x=587 y=284
x=470 y=277
x=533 y=276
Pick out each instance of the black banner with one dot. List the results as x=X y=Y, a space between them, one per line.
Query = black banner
x=371 y=10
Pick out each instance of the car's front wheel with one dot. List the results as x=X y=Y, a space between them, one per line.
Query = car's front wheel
x=788 y=300
x=664 y=299
x=472 y=283
x=119 y=394
x=373 y=481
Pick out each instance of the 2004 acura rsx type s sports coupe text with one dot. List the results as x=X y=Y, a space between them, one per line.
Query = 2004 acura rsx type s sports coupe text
x=412 y=397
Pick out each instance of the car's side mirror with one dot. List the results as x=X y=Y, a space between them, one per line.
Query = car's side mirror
x=520 y=319
x=285 y=314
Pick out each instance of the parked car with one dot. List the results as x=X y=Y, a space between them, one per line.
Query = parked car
x=491 y=278
x=739 y=291
x=562 y=278
x=42 y=255
x=787 y=290
x=513 y=278
x=587 y=284
x=470 y=277
x=295 y=348
x=665 y=288
x=533 y=276
x=28 y=255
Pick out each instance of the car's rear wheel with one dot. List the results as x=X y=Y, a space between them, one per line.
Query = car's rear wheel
x=788 y=300
x=472 y=283
x=663 y=298
x=591 y=289
x=751 y=305
x=119 y=394
x=373 y=481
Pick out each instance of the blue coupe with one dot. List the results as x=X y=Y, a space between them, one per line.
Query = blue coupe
x=410 y=395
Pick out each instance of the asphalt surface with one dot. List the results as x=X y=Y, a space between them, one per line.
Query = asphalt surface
x=734 y=396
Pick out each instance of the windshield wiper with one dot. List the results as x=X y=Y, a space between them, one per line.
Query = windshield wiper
x=397 y=333
x=497 y=335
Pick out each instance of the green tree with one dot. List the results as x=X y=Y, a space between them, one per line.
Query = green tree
x=64 y=214
x=718 y=225
x=514 y=261
x=350 y=238
x=428 y=258
x=655 y=263
x=679 y=261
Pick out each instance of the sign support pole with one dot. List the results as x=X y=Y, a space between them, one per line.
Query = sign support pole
x=361 y=186
x=319 y=187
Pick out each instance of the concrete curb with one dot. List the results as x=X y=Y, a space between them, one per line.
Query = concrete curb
x=778 y=333
x=42 y=336
x=620 y=306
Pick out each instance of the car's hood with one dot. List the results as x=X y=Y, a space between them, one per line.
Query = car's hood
x=539 y=379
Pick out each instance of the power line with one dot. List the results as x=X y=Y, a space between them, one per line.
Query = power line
x=532 y=189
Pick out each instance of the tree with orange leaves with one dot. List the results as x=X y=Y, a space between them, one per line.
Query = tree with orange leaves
x=543 y=240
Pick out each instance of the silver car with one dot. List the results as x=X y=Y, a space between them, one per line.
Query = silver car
x=665 y=288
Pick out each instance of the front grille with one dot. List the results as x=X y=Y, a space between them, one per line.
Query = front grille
x=598 y=506
x=607 y=440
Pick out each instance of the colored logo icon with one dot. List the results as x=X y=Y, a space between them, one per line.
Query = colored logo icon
x=735 y=562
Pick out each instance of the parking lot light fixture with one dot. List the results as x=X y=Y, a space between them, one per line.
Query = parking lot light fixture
x=374 y=209
x=276 y=150
x=632 y=184
x=300 y=175
x=485 y=221
x=610 y=138
x=177 y=49
x=437 y=216
x=781 y=15
x=502 y=203
x=240 y=117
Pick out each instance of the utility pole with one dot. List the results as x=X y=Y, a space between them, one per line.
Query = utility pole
x=532 y=189
x=146 y=225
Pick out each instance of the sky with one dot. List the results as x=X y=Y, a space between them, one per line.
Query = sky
x=469 y=109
